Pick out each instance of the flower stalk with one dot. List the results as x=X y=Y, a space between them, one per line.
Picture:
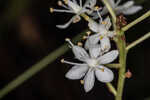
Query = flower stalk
x=111 y=89
x=136 y=42
x=147 y=14
x=121 y=44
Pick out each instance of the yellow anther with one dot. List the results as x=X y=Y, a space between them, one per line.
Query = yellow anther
x=84 y=37
x=103 y=22
x=79 y=44
x=87 y=18
x=96 y=8
x=88 y=33
x=82 y=82
x=51 y=10
x=66 y=1
x=59 y=3
x=76 y=19
x=62 y=60
x=105 y=47
x=102 y=69
x=67 y=39
x=101 y=37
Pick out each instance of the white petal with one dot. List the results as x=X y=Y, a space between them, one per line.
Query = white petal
x=104 y=74
x=76 y=8
x=90 y=3
x=111 y=34
x=108 y=23
x=93 y=26
x=95 y=51
x=124 y=7
x=105 y=44
x=92 y=41
x=66 y=24
x=89 y=80
x=80 y=53
x=104 y=11
x=132 y=10
x=108 y=57
x=128 y=4
x=76 y=72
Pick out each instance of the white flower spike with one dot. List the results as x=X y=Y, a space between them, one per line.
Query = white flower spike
x=127 y=8
x=92 y=65
x=103 y=34
x=71 y=6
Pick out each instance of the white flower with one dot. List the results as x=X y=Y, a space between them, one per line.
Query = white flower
x=71 y=6
x=127 y=8
x=93 y=65
x=102 y=34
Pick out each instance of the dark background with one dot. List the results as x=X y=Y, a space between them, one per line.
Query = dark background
x=28 y=33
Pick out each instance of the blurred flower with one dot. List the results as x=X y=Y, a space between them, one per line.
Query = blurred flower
x=92 y=66
x=71 y=6
x=127 y=8
x=103 y=34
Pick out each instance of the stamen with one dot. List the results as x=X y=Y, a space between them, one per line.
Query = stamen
x=57 y=10
x=71 y=63
x=101 y=19
x=65 y=1
x=76 y=19
x=80 y=44
x=96 y=8
x=59 y=3
x=103 y=22
x=80 y=3
x=62 y=5
x=102 y=69
x=82 y=82
x=88 y=33
x=51 y=10
x=101 y=37
x=84 y=37
x=68 y=40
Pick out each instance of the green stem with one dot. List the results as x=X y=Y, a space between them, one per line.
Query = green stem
x=111 y=89
x=116 y=66
x=36 y=68
x=146 y=36
x=147 y=14
x=121 y=44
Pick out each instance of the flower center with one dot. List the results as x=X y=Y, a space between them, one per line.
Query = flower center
x=92 y=62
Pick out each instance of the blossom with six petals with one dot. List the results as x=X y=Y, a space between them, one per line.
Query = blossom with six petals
x=93 y=65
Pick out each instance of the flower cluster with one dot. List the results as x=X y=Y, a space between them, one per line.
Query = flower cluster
x=96 y=52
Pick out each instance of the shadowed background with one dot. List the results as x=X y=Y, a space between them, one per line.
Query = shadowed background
x=28 y=33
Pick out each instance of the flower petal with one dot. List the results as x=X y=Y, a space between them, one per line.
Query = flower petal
x=93 y=26
x=108 y=57
x=124 y=7
x=105 y=44
x=95 y=51
x=76 y=72
x=108 y=23
x=92 y=41
x=66 y=24
x=80 y=53
x=104 y=74
x=89 y=80
x=132 y=10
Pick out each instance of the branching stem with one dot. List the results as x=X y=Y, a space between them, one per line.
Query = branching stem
x=147 y=14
